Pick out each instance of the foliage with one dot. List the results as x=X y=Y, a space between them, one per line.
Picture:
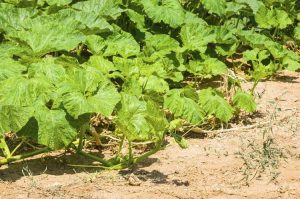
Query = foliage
x=132 y=61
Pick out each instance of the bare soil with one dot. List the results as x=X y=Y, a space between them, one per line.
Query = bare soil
x=210 y=168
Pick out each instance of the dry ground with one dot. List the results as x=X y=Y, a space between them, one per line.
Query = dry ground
x=209 y=168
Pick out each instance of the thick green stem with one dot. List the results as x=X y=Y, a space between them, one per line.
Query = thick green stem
x=146 y=155
x=17 y=147
x=275 y=32
x=4 y=147
x=83 y=128
x=96 y=158
x=23 y=156
x=254 y=86
x=120 y=147
x=79 y=50
x=130 y=154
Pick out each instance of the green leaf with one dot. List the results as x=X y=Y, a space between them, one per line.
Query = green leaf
x=175 y=124
x=88 y=92
x=18 y=91
x=96 y=44
x=154 y=83
x=159 y=45
x=253 y=4
x=269 y=18
x=93 y=23
x=48 y=69
x=196 y=36
x=121 y=43
x=14 y=118
x=13 y=18
x=140 y=120
x=102 y=64
x=9 y=49
x=54 y=130
x=291 y=64
x=10 y=68
x=254 y=38
x=59 y=2
x=168 y=11
x=105 y=100
x=244 y=101
x=215 y=6
x=209 y=67
x=137 y=18
x=216 y=105
x=104 y=8
x=181 y=141
x=183 y=107
x=191 y=18
x=46 y=34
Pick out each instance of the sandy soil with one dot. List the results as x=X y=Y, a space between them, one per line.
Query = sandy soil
x=209 y=168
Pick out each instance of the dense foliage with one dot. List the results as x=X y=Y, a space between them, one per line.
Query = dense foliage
x=141 y=64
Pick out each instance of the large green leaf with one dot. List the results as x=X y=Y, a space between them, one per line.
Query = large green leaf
x=137 y=18
x=159 y=45
x=291 y=64
x=46 y=34
x=183 y=107
x=196 y=36
x=154 y=83
x=216 y=105
x=215 y=6
x=10 y=68
x=105 y=8
x=48 y=69
x=269 y=18
x=19 y=91
x=209 y=67
x=59 y=2
x=121 y=43
x=13 y=18
x=88 y=92
x=50 y=128
x=102 y=64
x=14 y=118
x=93 y=24
x=140 y=120
x=95 y=43
x=244 y=101
x=253 y=4
x=167 y=11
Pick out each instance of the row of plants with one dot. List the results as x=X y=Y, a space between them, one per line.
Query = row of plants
x=135 y=69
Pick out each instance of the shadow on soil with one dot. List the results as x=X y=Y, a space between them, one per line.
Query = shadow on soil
x=286 y=78
x=59 y=165
x=44 y=164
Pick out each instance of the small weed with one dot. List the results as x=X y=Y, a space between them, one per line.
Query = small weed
x=91 y=177
x=27 y=172
x=261 y=157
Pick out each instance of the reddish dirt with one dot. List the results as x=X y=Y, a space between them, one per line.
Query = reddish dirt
x=209 y=168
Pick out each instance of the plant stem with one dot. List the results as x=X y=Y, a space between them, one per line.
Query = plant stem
x=120 y=147
x=93 y=157
x=146 y=155
x=275 y=32
x=81 y=136
x=130 y=155
x=23 y=156
x=79 y=50
x=17 y=147
x=254 y=86
x=4 y=147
